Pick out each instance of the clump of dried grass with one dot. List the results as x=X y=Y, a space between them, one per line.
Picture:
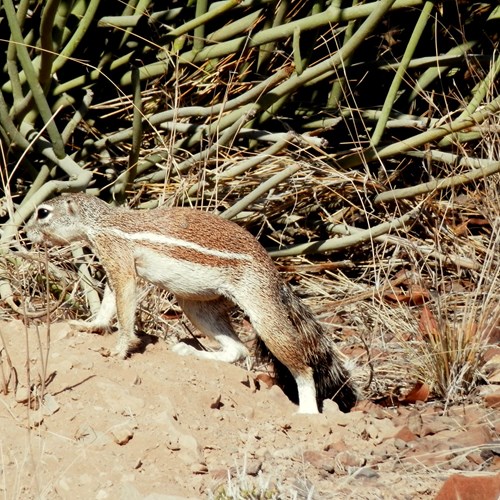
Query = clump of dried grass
x=262 y=486
x=457 y=335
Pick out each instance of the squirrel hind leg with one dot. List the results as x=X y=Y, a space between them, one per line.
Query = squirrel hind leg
x=300 y=387
x=306 y=389
x=211 y=318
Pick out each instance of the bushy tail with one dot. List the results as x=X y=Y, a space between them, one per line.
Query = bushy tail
x=331 y=377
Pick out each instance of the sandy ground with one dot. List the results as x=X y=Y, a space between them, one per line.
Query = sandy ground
x=161 y=426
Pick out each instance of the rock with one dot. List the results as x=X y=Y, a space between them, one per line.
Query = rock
x=400 y=444
x=122 y=435
x=330 y=407
x=438 y=424
x=222 y=475
x=381 y=429
x=477 y=458
x=199 y=468
x=50 y=405
x=101 y=495
x=430 y=452
x=470 y=488
x=473 y=415
x=36 y=418
x=22 y=394
x=253 y=467
x=130 y=492
x=367 y=472
x=405 y=434
x=371 y=408
x=278 y=398
x=119 y=399
x=334 y=415
x=190 y=451
x=60 y=331
x=320 y=460
x=415 y=422
x=492 y=400
x=346 y=460
x=336 y=447
x=473 y=437
x=264 y=379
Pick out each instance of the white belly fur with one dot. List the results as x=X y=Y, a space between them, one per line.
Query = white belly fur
x=183 y=278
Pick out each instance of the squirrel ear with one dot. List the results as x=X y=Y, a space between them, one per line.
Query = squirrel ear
x=71 y=207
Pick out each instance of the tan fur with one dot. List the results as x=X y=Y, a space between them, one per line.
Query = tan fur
x=203 y=260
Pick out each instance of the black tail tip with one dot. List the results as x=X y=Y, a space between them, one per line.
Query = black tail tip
x=346 y=398
x=344 y=394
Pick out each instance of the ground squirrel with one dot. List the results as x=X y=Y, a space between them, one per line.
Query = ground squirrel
x=204 y=261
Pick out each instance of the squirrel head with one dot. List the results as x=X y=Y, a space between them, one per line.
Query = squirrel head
x=64 y=219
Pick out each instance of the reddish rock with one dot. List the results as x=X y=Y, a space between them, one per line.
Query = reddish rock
x=405 y=434
x=496 y=426
x=470 y=488
x=430 y=452
x=476 y=458
x=476 y=436
x=320 y=460
x=474 y=414
x=438 y=424
x=336 y=447
x=371 y=408
x=492 y=400
x=346 y=460
x=415 y=422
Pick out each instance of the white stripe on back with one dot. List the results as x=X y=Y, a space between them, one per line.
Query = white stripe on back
x=167 y=240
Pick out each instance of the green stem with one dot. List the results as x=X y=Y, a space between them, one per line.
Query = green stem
x=260 y=191
x=203 y=19
x=400 y=73
x=137 y=8
x=32 y=78
x=15 y=137
x=47 y=43
x=124 y=180
x=480 y=168
x=14 y=78
x=235 y=28
x=338 y=84
x=482 y=90
x=357 y=238
x=419 y=140
x=276 y=20
x=130 y=21
x=198 y=111
x=80 y=32
x=326 y=68
x=330 y=15
x=199 y=31
x=297 y=58
x=243 y=166
x=77 y=117
x=440 y=66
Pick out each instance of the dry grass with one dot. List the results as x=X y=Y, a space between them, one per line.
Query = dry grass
x=432 y=326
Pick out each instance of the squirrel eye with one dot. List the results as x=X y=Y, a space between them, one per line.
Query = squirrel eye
x=42 y=213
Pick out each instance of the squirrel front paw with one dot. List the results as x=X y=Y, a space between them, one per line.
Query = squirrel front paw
x=88 y=326
x=125 y=346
